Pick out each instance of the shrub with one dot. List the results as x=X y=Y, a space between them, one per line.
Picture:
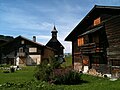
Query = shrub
x=6 y=71
x=4 y=65
x=67 y=77
x=54 y=63
x=52 y=73
x=44 y=70
x=12 y=70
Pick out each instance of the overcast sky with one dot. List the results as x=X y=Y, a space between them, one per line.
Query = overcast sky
x=37 y=17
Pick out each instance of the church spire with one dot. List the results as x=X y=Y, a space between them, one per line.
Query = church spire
x=54 y=32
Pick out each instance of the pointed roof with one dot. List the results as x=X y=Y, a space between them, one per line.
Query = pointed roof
x=28 y=40
x=53 y=42
x=54 y=29
x=19 y=38
x=95 y=12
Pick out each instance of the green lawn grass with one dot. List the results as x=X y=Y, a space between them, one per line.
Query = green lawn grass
x=25 y=76
x=96 y=83
x=68 y=61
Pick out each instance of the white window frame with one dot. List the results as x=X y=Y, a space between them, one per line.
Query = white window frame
x=32 y=49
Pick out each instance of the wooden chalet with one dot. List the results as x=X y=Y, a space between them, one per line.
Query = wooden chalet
x=22 y=51
x=96 y=41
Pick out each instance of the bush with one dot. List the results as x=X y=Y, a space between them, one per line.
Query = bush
x=54 y=63
x=12 y=70
x=6 y=71
x=67 y=78
x=44 y=70
x=4 y=65
x=52 y=73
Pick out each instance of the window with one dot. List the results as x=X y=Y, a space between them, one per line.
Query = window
x=21 y=50
x=32 y=49
x=80 y=41
x=22 y=42
x=115 y=62
x=97 y=21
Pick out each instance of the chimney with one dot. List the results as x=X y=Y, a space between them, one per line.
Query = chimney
x=34 y=38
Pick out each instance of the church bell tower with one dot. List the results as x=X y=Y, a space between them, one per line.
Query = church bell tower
x=54 y=33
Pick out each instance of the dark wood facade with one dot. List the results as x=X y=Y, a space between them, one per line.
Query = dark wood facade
x=3 y=40
x=27 y=51
x=96 y=39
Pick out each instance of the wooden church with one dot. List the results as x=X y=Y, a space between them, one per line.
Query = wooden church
x=55 y=44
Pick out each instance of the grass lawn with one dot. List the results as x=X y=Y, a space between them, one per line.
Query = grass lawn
x=22 y=80
x=95 y=83
x=68 y=61
x=26 y=74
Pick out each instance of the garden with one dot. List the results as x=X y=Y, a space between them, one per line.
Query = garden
x=48 y=77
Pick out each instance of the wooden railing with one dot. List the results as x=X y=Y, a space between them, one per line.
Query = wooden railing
x=21 y=54
x=115 y=62
x=90 y=48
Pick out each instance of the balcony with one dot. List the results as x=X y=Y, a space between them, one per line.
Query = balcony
x=90 y=48
x=21 y=54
